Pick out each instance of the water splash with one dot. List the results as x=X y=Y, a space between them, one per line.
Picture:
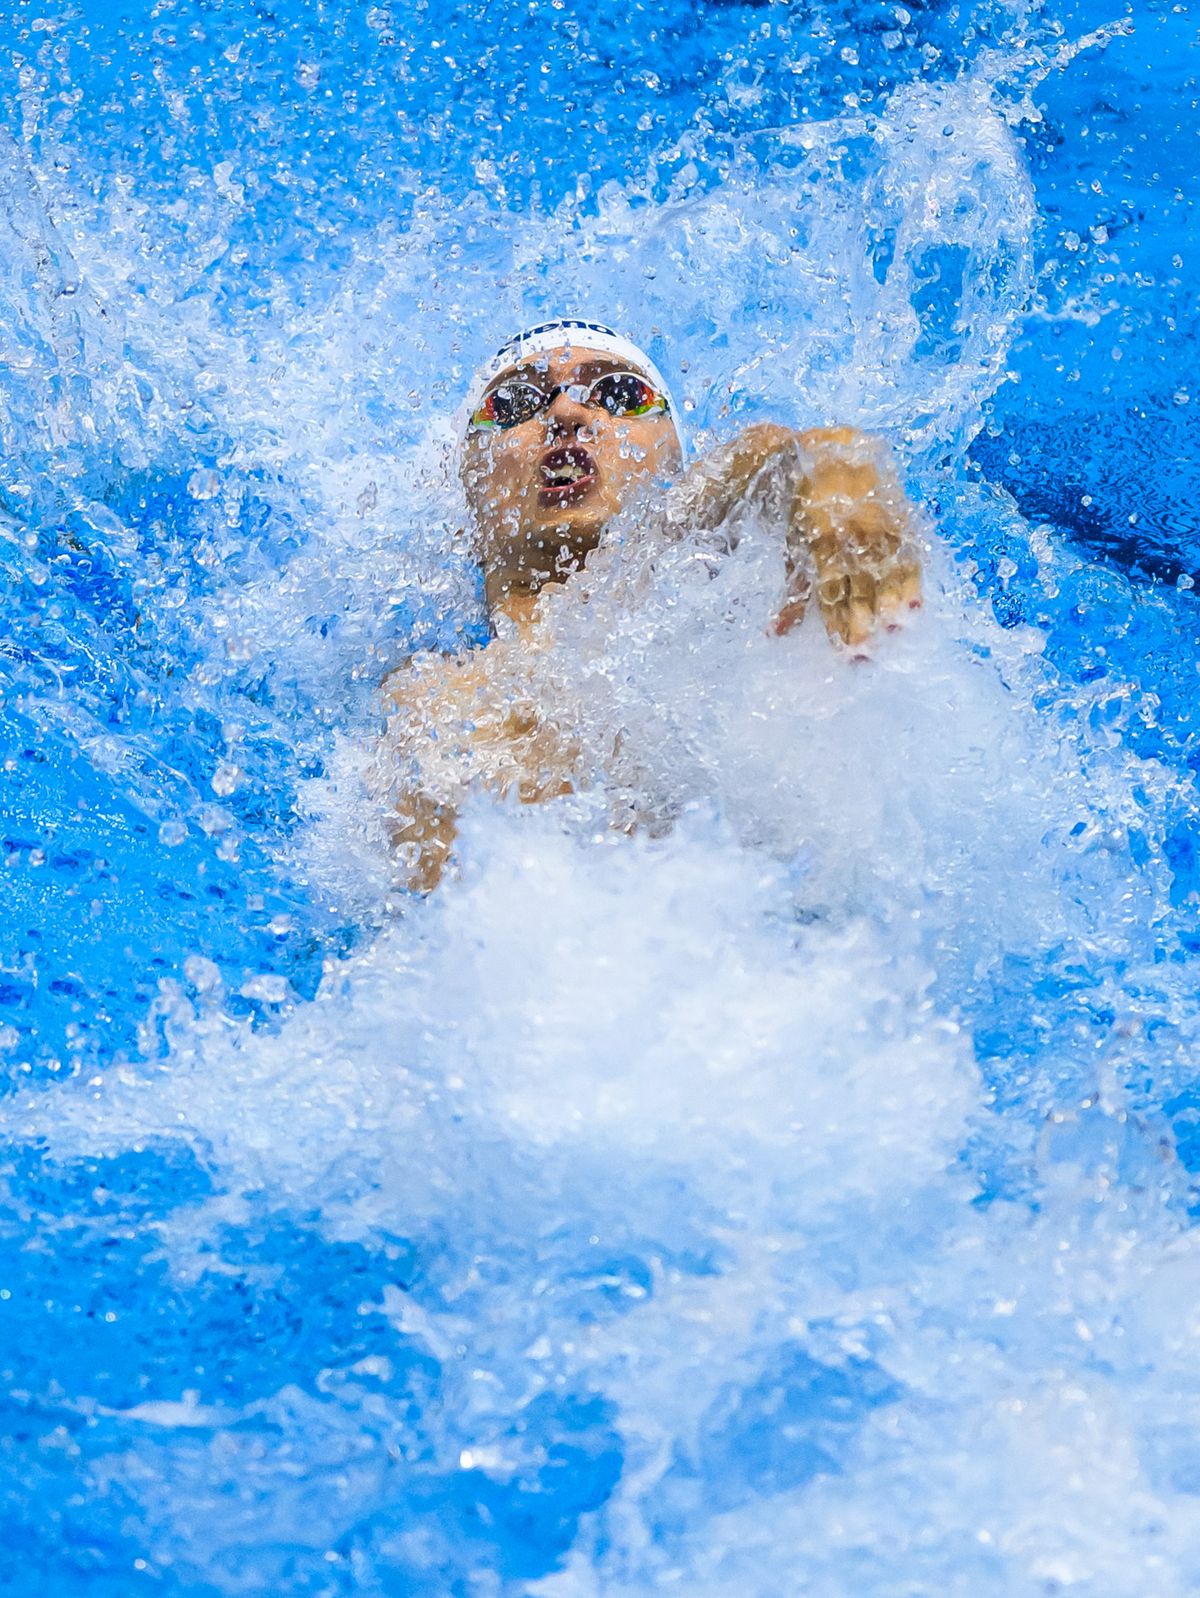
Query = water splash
x=800 y=1194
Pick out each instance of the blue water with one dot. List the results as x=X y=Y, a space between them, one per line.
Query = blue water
x=800 y=1201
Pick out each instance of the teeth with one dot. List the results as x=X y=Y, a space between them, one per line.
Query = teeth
x=568 y=472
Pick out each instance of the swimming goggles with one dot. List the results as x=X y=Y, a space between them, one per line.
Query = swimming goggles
x=518 y=400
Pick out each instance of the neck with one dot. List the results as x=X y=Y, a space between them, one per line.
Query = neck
x=516 y=598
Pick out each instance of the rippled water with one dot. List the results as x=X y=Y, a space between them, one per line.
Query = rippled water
x=798 y=1200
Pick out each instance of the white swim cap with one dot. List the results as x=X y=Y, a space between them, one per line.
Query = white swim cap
x=547 y=336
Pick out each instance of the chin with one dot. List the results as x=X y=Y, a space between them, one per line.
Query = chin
x=579 y=531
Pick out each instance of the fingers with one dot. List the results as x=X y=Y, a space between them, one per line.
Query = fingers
x=857 y=604
x=870 y=539
x=789 y=613
x=862 y=610
x=848 y=608
x=900 y=594
x=796 y=595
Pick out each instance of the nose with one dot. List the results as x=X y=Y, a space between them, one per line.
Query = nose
x=566 y=416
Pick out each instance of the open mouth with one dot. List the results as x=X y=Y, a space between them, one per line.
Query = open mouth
x=567 y=474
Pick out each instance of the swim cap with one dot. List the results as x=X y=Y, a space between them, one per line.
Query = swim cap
x=547 y=336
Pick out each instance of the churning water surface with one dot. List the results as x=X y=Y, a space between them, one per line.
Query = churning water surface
x=799 y=1200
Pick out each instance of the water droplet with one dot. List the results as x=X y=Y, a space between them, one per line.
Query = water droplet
x=226 y=778
x=267 y=988
x=204 y=974
x=204 y=483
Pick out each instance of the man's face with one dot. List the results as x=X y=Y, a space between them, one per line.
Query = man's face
x=541 y=492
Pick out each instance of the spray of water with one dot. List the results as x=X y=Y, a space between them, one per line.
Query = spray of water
x=753 y=1203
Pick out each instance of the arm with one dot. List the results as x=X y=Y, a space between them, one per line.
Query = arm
x=848 y=521
x=713 y=486
x=420 y=827
x=453 y=724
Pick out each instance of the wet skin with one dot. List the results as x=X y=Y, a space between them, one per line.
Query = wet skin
x=540 y=495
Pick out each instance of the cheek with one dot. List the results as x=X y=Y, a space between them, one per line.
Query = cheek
x=663 y=444
x=496 y=472
x=637 y=450
x=516 y=458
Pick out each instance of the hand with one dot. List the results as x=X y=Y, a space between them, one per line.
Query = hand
x=848 y=539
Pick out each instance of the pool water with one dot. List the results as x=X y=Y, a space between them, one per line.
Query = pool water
x=800 y=1198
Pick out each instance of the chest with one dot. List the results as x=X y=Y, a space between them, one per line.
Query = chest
x=492 y=730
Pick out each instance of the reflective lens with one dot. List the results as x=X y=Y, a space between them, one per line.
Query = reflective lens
x=509 y=405
x=626 y=394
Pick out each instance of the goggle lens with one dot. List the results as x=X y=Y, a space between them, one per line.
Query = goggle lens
x=626 y=394
x=509 y=405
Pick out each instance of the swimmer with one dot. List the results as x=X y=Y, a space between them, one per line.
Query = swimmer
x=562 y=430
